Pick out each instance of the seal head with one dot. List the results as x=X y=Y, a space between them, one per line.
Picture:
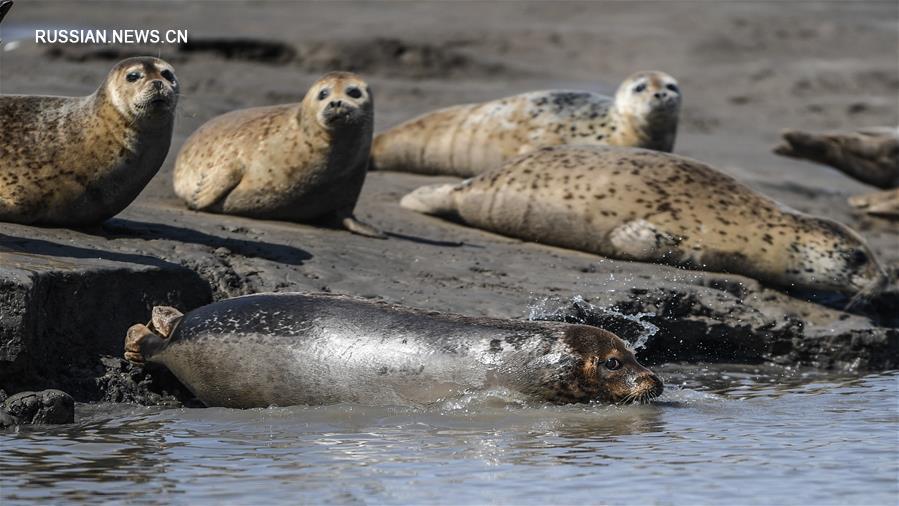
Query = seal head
x=142 y=88
x=647 y=104
x=830 y=256
x=607 y=370
x=340 y=100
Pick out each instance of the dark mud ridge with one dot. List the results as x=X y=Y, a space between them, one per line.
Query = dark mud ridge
x=65 y=307
x=376 y=56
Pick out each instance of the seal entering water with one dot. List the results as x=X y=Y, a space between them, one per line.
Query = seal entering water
x=636 y=204
x=466 y=140
x=288 y=348
x=77 y=161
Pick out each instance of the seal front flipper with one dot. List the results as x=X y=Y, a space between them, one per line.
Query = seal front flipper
x=141 y=344
x=212 y=187
x=641 y=240
x=344 y=219
x=357 y=227
x=435 y=199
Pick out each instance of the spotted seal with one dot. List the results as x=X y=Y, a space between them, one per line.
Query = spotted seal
x=643 y=205
x=77 y=161
x=290 y=348
x=466 y=140
x=301 y=162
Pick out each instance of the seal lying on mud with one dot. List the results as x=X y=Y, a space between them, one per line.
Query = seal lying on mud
x=77 y=161
x=870 y=155
x=466 y=140
x=636 y=204
x=301 y=162
x=286 y=349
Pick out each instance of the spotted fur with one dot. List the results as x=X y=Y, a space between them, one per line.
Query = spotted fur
x=649 y=206
x=466 y=140
x=302 y=162
x=77 y=161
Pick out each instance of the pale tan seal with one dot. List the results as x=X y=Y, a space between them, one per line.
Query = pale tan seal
x=649 y=206
x=870 y=155
x=466 y=140
x=77 y=161
x=301 y=162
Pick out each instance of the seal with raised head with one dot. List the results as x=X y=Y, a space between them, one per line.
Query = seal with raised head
x=301 y=162
x=869 y=155
x=466 y=140
x=643 y=205
x=77 y=161
x=288 y=348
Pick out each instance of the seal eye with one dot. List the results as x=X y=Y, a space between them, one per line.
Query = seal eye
x=612 y=364
x=354 y=93
x=168 y=75
x=133 y=76
x=858 y=258
x=639 y=88
x=323 y=94
x=673 y=87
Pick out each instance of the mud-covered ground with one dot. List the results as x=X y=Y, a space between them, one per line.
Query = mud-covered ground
x=747 y=70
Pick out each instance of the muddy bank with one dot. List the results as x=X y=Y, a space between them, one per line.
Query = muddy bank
x=746 y=69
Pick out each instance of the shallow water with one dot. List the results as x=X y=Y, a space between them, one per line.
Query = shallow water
x=718 y=435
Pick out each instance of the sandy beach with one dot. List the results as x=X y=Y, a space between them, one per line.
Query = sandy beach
x=747 y=71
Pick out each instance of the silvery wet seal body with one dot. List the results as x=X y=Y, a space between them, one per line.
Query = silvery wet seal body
x=287 y=349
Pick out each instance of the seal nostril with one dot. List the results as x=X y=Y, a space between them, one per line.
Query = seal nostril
x=335 y=103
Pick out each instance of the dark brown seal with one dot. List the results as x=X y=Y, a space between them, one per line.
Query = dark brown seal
x=285 y=349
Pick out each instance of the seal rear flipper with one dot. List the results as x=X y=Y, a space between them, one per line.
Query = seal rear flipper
x=884 y=203
x=641 y=240
x=436 y=199
x=141 y=344
x=164 y=319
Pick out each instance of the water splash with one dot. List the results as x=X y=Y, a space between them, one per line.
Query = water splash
x=578 y=310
